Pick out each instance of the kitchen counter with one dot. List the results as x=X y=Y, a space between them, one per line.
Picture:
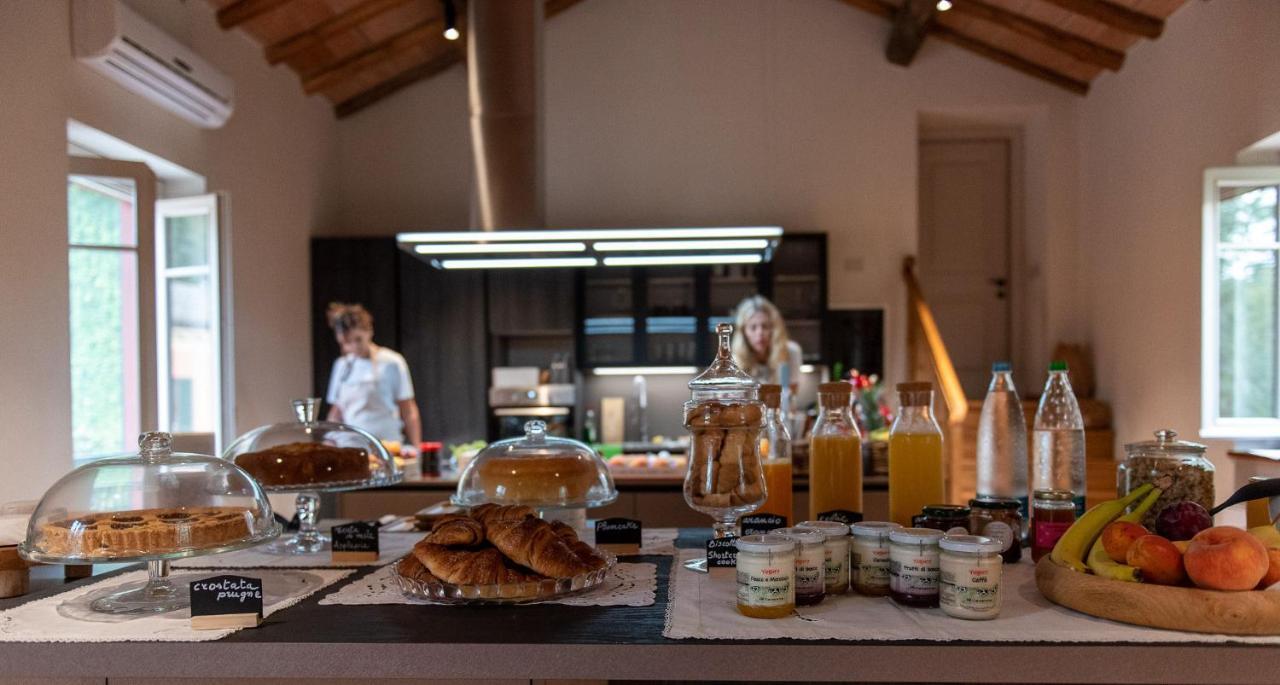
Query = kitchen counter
x=559 y=642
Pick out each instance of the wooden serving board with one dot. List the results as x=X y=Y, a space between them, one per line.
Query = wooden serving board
x=15 y=577
x=1160 y=606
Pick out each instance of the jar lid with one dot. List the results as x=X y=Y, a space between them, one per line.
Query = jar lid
x=974 y=544
x=1054 y=495
x=1166 y=443
x=915 y=536
x=874 y=529
x=831 y=529
x=946 y=510
x=806 y=536
x=724 y=379
x=765 y=544
x=538 y=470
x=1002 y=503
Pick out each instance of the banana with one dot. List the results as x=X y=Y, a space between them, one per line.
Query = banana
x=1100 y=562
x=1075 y=543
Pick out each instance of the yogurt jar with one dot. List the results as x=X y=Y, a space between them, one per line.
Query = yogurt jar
x=869 y=561
x=969 y=581
x=913 y=566
x=837 y=554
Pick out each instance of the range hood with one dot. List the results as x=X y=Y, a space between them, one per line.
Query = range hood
x=588 y=247
x=504 y=83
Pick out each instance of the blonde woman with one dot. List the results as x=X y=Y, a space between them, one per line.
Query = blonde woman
x=370 y=387
x=760 y=343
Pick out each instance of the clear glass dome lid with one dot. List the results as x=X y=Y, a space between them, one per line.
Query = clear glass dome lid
x=724 y=379
x=307 y=454
x=537 y=470
x=153 y=505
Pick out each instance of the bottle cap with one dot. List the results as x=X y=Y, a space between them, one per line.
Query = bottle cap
x=835 y=388
x=771 y=395
x=1001 y=367
x=1054 y=495
x=1057 y=365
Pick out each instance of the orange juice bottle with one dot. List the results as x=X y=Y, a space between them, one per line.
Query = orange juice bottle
x=775 y=448
x=915 y=454
x=835 y=457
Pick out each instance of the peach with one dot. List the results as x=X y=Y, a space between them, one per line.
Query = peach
x=1273 y=571
x=1158 y=560
x=1226 y=558
x=1117 y=537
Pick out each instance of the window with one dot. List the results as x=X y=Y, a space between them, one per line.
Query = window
x=189 y=311
x=108 y=237
x=1241 y=303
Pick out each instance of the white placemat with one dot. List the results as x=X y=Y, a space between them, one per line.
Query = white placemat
x=391 y=546
x=66 y=617
x=656 y=541
x=700 y=607
x=630 y=585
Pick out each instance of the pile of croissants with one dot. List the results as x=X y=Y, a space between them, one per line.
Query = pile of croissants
x=499 y=545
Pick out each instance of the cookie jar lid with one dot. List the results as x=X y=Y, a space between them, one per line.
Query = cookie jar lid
x=538 y=470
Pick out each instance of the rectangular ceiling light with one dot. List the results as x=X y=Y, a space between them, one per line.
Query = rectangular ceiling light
x=680 y=245
x=644 y=370
x=593 y=246
x=514 y=263
x=499 y=248
x=668 y=260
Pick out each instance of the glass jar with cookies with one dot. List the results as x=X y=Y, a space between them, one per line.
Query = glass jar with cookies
x=725 y=478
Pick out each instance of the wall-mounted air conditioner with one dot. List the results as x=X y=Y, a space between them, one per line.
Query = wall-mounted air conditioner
x=114 y=40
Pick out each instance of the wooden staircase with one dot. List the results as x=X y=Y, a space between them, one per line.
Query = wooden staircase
x=928 y=359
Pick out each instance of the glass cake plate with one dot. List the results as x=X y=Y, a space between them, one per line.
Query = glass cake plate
x=439 y=592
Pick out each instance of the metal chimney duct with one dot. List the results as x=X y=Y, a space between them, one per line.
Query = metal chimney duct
x=504 y=77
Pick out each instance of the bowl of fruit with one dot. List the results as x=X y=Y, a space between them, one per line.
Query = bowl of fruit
x=1187 y=574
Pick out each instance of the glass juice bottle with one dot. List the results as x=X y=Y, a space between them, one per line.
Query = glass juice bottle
x=835 y=456
x=775 y=449
x=915 y=454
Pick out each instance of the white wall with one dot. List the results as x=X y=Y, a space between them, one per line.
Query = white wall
x=274 y=158
x=1188 y=101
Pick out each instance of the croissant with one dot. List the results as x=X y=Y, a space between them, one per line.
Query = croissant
x=485 y=513
x=469 y=567
x=533 y=543
x=586 y=553
x=456 y=529
x=411 y=568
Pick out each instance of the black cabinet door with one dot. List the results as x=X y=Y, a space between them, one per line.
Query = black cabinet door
x=352 y=270
x=443 y=339
x=530 y=301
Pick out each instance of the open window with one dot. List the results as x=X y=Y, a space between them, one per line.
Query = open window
x=1240 y=382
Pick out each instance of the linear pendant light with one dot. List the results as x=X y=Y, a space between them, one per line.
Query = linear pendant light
x=589 y=247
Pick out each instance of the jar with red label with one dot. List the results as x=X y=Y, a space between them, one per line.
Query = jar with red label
x=1052 y=513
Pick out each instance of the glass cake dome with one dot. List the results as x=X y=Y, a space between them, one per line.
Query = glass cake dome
x=306 y=454
x=153 y=506
x=538 y=470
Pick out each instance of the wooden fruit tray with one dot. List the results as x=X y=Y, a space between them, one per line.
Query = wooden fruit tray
x=1161 y=606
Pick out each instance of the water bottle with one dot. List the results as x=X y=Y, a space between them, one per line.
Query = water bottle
x=1002 y=441
x=1059 y=438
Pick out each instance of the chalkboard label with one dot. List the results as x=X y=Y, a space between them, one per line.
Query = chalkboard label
x=355 y=542
x=618 y=534
x=226 y=602
x=759 y=524
x=722 y=553
x=840 y=516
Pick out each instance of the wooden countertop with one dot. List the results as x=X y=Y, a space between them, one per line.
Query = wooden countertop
x=560 y=642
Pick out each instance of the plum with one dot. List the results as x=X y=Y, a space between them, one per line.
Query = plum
x=1182 y=520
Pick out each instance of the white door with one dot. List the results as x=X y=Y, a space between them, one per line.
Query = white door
x=964 y=260
x=192 y=331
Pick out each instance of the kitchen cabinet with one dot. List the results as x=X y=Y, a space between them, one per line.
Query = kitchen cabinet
x=530 y=302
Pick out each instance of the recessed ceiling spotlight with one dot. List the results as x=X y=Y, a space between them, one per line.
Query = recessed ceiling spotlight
x=944 y=5
x=451 y=21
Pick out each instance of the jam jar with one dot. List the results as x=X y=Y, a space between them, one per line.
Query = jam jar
x=1052 y=513
x=943 y=517
x=998 y=518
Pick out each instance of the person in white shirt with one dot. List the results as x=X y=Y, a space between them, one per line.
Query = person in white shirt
x=369 y=386
x=761 y=346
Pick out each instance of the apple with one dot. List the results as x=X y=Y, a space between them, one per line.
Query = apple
x=1158 y=560
x=1117 y=537
x=1226 y=558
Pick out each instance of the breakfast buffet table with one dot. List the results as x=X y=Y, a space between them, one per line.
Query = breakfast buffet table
x=1032 y=640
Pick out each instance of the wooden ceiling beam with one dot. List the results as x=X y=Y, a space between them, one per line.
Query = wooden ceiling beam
x=1114 y=15
x=1079 y=48
x=424 y=70
x=911 y=23
x=884 y=8
x=241 y=11
x=412 y=38
x=299 y=42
